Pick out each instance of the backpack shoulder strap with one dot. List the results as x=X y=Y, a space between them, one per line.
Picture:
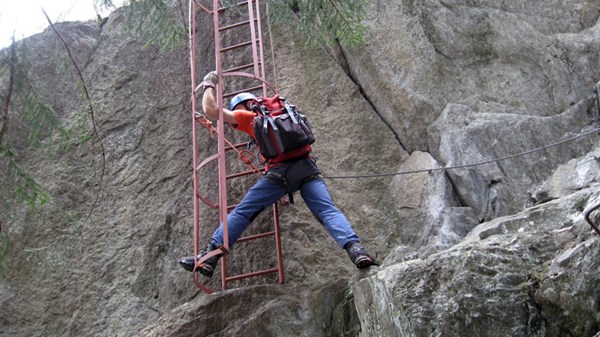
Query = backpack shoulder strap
x=266 y=116
x=291 y=110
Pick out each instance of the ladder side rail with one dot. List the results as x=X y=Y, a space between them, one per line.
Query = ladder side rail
x=272 y=48
x=221 y=147
x=221 y=133
x=224 y=272
x=254 y=39
x=275 y=207
x=192 y=46
x=258 y=66
x=196 y=199
x=261 y=61
x=278 y=252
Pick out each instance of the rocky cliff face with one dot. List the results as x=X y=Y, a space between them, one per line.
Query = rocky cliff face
x=482 y=250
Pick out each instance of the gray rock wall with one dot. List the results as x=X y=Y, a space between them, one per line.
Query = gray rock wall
x=488 y=250
x=530 y=274
x=499 y=61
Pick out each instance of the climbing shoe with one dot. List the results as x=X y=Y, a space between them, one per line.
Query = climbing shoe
x=208 y=267
x=359 y=256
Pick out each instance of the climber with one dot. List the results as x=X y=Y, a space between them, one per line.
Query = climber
x=297 y=174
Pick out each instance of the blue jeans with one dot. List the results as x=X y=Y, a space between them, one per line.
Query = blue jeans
x=266 y=191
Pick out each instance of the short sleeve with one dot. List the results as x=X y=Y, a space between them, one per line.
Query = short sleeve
x=244 y=121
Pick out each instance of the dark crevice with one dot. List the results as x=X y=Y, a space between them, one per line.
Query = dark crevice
x=459 y=198
x=533 y=319
x=341 y=60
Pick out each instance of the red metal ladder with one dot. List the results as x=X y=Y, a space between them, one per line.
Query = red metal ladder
x=253 y=76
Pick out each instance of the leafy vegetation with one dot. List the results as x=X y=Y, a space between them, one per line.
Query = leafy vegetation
x=17 y=186
x=157 y=23
x=35 y=121
x=324 y=21
x=164 y=23
x=26 y=122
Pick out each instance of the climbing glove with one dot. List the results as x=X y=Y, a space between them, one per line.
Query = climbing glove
x=210 y=80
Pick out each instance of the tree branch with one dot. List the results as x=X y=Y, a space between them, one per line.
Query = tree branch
x=9 y=91
x=90 y=107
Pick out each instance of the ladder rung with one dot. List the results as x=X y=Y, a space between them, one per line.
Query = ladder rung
x=241 y=3
x=237 y=146
x=235 y=25
x=257 y=273
x=244 y=44
x=245 y=66
x=257 y=236
x=243 y=90
x=243 y=174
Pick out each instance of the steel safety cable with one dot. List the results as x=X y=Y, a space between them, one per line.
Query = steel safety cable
x=377 y=175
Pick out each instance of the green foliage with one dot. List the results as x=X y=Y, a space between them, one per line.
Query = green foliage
x=157 y=23
x=320 y=21
x=326 y=21
x=4 y=250
x=19 y=187
x=36 y=118
x=39 y=117
x=27 y=120
x=103 y=4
